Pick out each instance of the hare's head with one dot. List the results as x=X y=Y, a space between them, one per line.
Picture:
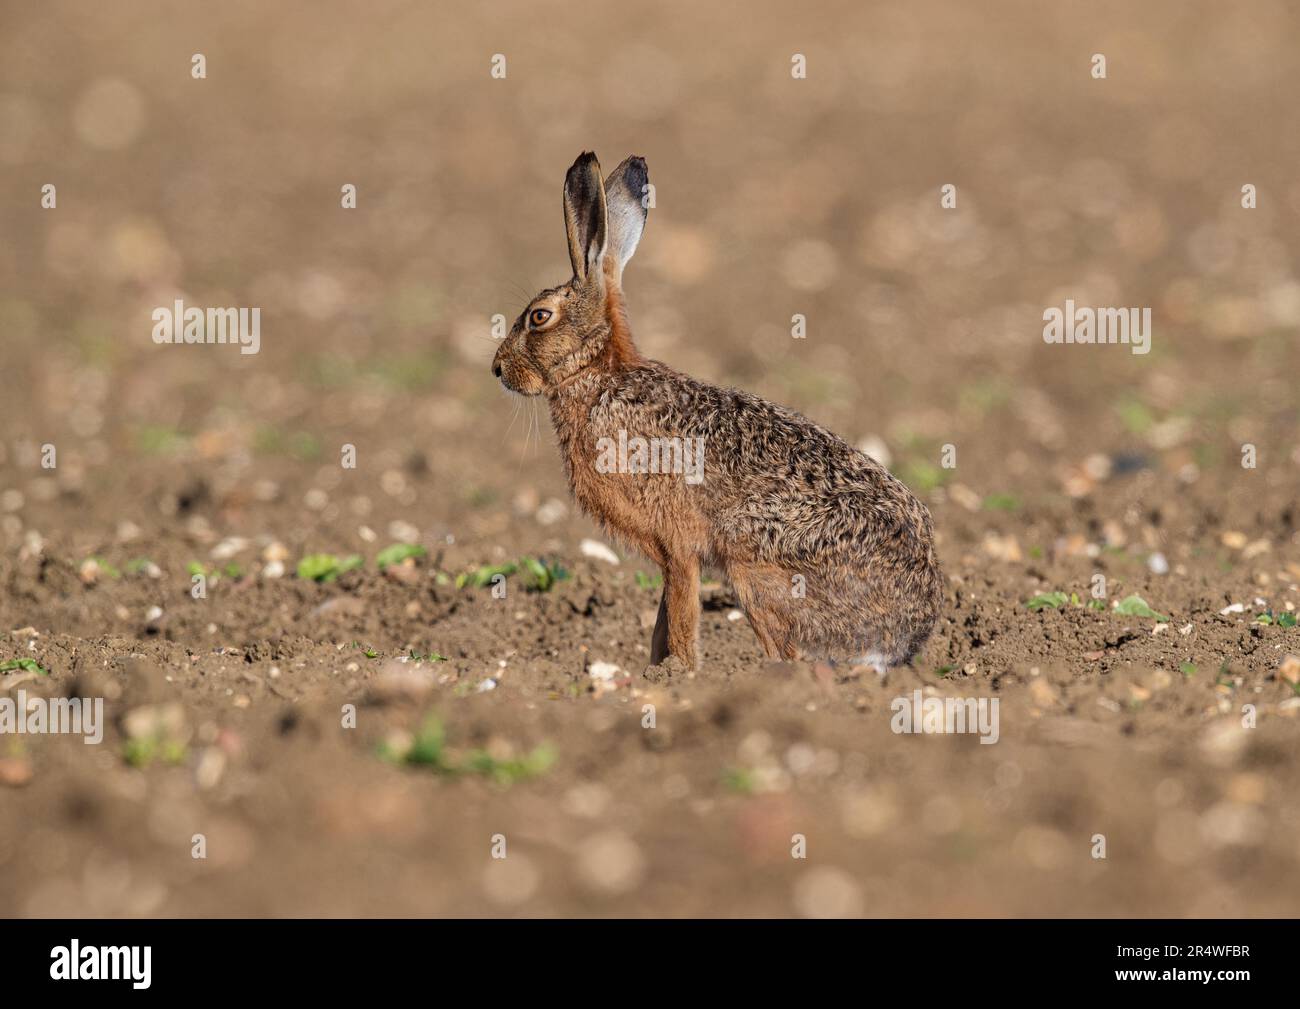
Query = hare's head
x=576 y=325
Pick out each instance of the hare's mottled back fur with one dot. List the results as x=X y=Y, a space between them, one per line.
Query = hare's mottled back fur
x=829 y=554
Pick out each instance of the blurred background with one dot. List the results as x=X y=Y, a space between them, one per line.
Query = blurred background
x=775 y=196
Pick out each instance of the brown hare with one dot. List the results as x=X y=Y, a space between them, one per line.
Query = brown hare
x=828 y=553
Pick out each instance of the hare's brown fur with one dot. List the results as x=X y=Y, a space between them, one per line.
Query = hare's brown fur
x=828 y=553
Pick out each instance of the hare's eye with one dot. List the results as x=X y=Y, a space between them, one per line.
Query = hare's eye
x=539 y=316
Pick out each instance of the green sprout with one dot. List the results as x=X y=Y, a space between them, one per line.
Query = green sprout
x=326 y=567
x=1001 y=502
x=539 y=576
x=397 y=553
x=542 y=575
x=1047 y=600
x=140 y=753
x=484 y=576
x=1136 y=606
x=30 y=665
x=429 y=749
x=105 y=567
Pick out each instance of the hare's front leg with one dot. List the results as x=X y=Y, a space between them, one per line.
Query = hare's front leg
x=659 y=639
x=677 y=629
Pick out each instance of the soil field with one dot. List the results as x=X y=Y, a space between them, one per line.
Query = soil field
x=367 y=735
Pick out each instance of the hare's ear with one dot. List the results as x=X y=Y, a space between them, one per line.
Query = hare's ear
x=624 y=196
x=584 y=216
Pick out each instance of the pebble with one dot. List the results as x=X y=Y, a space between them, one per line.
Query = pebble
x=229 y=547
x=603 y=671
x=403 y=532
x=1157 y=564
x=15 y=772
x=1289 y=670
x=275 y=551
x=553 y=511
x=1255 y=548
x=210 y=768
x=599 y=551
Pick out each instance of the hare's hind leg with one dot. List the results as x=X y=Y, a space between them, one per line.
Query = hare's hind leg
x=763 y=593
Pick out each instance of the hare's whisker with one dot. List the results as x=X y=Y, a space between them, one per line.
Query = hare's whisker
x=513 y=417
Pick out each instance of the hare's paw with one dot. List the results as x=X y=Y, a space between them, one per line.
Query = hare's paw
x=670 y=668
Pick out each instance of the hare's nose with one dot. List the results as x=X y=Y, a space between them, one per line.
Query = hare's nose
x=496 y=369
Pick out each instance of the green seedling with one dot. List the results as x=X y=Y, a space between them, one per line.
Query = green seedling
x=397 y=553
x=30 y=665
x=1136 y=606
x=1047 y=600
x=483 y=577
x=213 y=575
x=1187 y=669
x=739 y=780
x=1001 y=502
x=429 y=749
x=140 y=753
x=326 y=567
x=541 y=576
x=105 y=567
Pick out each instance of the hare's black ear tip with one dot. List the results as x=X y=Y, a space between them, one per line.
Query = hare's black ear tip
x=637 y=173
x=586 y=158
